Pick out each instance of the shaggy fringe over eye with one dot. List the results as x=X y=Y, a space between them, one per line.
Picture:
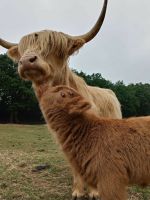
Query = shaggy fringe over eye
x=46 y=42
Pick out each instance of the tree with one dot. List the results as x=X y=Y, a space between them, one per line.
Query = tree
x=134 y=98
x=18 y=103
x=16 y=95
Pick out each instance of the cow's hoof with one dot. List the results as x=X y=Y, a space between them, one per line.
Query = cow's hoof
x=93 y=198
x=79 y=198
x=93 y=195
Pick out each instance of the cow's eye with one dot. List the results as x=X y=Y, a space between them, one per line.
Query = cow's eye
x=62 y=94
x=36 y=35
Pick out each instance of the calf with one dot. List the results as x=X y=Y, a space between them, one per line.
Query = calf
x=108 y=154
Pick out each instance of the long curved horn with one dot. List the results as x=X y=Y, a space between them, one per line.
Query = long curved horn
x=6 y=44
x=93 y=32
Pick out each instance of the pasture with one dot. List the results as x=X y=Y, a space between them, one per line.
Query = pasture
x=22 y=149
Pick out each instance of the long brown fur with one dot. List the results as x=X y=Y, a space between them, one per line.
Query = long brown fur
x=47 y=42
x=52 y=51
x=48 y=52
x=109 y=154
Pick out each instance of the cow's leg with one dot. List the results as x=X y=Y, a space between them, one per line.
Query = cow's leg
x=78 y=188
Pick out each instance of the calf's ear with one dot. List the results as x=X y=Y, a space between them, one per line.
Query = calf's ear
x=13 y=53
x=80 y=107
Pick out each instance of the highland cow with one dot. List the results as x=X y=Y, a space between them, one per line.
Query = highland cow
x=47 y=52
x=108 y=154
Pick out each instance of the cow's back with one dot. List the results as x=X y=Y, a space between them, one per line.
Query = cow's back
x=104 y=101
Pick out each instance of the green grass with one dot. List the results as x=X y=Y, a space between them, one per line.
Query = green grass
x=24 y=147
x=21 y=149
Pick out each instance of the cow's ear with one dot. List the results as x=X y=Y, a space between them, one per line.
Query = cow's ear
x=75 y=45
x=80 y=107
x=13 y=53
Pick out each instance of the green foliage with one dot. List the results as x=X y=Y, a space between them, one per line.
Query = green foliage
x=18 y=103
x=134 y=98
x=16 y=96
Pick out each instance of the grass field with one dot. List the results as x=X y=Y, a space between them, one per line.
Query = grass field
x=22 y=148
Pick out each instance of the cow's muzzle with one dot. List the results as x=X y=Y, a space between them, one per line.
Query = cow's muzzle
x=31 y=67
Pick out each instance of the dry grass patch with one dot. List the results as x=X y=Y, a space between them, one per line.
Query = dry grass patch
x=22 y=148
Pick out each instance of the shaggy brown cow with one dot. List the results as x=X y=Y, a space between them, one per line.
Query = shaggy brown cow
x=109 y=154
x=49 y=51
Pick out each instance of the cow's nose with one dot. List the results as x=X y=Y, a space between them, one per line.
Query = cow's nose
x=28 y=60
x=32 y=59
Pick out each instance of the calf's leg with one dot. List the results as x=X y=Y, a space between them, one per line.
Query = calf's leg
x=93 y=194
x=79 y=190
x=78 y=187
x=112 y=188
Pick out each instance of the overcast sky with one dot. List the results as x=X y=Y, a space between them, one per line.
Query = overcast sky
x=121 y=51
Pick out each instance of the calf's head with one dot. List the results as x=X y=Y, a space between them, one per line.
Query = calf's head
x=64 y=98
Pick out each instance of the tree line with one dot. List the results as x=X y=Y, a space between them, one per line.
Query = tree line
x=18 y=103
